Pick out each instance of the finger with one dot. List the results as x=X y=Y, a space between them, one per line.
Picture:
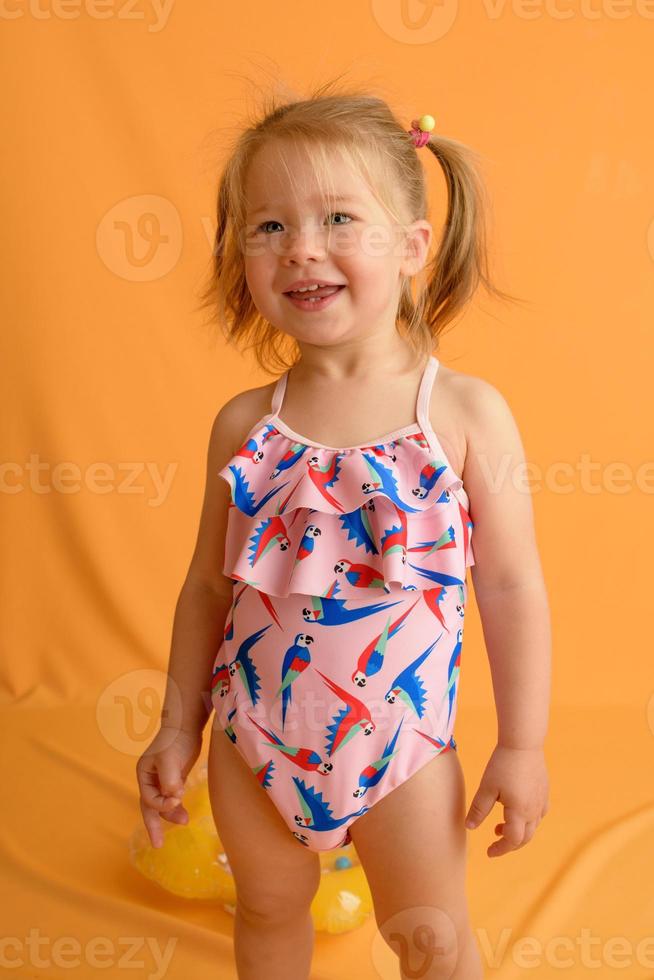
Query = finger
x=170 y=777
x=178 y=815
x=152 y=825
x=514 y=826
x=503 y=846
x=151 y=793
x=530 y=830
x=482 y=804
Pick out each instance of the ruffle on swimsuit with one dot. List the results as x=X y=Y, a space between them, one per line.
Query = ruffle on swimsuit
x=354 y=522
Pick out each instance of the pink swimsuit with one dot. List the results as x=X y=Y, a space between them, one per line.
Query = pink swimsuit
x=338 y=673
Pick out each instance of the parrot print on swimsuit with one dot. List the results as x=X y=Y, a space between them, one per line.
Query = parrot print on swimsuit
x=363 y=576
x=268 y=604
x=307 y=544
x=376 y=771
x=289 y=459
x=453 y=669
x=383 y=481
x=250 y=450
x=359 y=530
x=296 y=659
x=229 y=729
x=332 y=612
x=461 y=604
x=440 y=744
x=220 y=681
x=349 y=721
x=433 y=598
x=327 y=476
x=242 y=498
x=408 y=686
x=429 y=476
x=228 y=631
x=381 y=450
x=428 y=548
x=316 y=812
x=433 y=576
x=307 y=759
x=468 y=525
x=394 y=539
x=371 y=660
x=264 y=773
x=244 y=665
x=268 y=536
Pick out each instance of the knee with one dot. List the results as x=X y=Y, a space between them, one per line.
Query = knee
x=425 y=941
x=274 y=902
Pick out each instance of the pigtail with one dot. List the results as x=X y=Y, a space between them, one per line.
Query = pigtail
x=460 y=264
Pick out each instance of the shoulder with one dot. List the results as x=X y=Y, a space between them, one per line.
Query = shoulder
x=238 y=415
x=496 y=478
x=483 y=412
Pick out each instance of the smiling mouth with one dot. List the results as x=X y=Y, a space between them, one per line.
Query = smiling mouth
x=319 y=293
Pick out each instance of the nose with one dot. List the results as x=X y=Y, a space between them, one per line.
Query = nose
x=299 y=246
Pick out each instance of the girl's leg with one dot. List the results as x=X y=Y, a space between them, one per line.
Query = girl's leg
x=412 y=845
x=276 y=877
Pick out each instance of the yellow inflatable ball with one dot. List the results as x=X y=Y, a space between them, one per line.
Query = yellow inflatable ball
x=343 y=900
x=192 y=864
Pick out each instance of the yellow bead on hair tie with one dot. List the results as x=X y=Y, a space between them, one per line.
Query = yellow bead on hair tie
x=427 y=123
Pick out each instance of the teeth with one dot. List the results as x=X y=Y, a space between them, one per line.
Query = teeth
x=305 y=289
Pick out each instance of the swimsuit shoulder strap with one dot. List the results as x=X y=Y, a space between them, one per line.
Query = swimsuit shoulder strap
x=422 y=406
x=424 y=393
x=278 y=394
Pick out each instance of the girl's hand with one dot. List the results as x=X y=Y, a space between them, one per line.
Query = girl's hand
x=161 y=772
x=518 y=779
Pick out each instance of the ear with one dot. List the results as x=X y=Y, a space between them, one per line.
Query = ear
x=417 y=239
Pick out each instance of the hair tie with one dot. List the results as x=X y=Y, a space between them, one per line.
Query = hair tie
x=420 y=130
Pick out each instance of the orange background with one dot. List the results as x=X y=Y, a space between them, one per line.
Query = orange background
x=114 y=127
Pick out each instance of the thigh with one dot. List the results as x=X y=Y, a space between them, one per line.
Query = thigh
x=412 y=844
x=271 y=869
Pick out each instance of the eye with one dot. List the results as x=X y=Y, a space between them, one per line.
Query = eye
x=342 y=214
x=263 y=224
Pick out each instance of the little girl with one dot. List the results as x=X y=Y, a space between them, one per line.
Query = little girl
x=323 y=611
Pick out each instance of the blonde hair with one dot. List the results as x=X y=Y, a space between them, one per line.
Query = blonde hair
x=363 y=128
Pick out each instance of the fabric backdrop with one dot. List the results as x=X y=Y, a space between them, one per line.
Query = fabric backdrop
x=115 y=117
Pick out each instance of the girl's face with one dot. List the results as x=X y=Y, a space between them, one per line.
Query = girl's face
x=286 y=240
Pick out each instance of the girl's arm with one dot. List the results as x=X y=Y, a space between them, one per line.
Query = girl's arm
x=507 y=576
x=206 y=595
